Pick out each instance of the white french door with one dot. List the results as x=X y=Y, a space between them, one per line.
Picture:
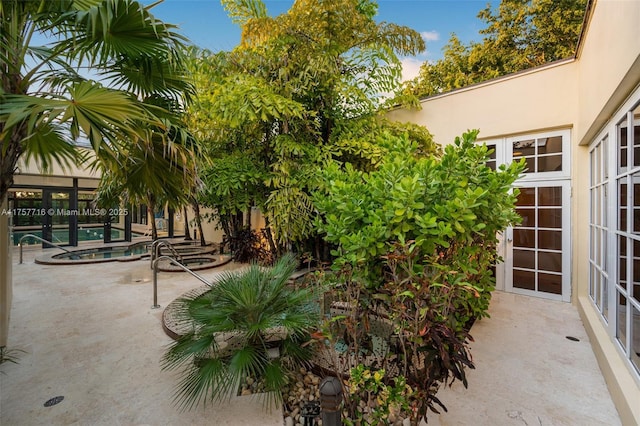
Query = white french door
x=537 y=252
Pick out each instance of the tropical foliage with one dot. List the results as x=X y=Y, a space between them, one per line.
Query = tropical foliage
x=236 y=327
x=520 y=34
x=303 y=88
x=385 y=400
x=415 y=242
x=156 y=171
x=48 y=102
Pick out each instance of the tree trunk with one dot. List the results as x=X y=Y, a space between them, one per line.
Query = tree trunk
x=9 y=155
x=248 y=218
x=196 y=212
x=272 y=243
x=187 y=231
x=151 y=202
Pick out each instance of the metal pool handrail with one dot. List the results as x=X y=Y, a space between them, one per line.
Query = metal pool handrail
x=154 y=266
x=155 y=250
x=40 y=239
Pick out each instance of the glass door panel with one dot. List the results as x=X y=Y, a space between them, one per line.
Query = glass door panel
x=537 y=250
x=56 y=221
x=26 y=205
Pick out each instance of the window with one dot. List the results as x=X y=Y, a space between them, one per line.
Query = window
x=541 y=154
x=599 y=278
x=614 y=228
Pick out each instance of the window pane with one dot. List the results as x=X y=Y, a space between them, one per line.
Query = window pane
x=524 y=279
x=550 y=240
x=524 y=259
x=528 y=217
x=622 y=202
x=550 y=283
x=622 y=145
x=604 y=249
x=524 y=238
x=621 y=332
x=550 y=218
x=622 y=273
x=593 y=169
x=524 y=148
x=527 y=197
x=623 y=220
x=550 y=145
x=636 y=202
x=635 y=338
x=634 y=290
x=491 y=157
x=548 y=261
x=592 y=281
x=530 y=166
x=605 y=156
x=636 y=139
x=492 y=152
x=596 y=288
x=550 y=163
x=550 y=196
x=605 y=297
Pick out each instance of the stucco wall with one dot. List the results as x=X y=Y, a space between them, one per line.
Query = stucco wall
x=538 y=99
x=33 y=168
x=608 y=64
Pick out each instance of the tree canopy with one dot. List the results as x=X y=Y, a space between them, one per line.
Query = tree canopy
x=301 y=89
x=520 y=34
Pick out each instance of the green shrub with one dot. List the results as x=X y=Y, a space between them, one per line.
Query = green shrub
x=449 y=209
x=415 y=243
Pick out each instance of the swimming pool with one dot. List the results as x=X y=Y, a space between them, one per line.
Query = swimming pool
x=61 y=236
x=121 y=253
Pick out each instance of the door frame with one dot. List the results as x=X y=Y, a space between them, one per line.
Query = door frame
x=504 y=155
x=507 y=274
x=50 y=211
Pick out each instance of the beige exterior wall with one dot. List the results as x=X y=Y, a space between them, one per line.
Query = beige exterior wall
x=608 y=64
x=542 y=98
x=33 y=168
x=211 y=234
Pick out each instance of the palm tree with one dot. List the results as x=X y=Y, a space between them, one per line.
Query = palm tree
x=46 y=102
x=234 y=328
x=157 y=169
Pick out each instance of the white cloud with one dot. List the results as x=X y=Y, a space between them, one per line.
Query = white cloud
x=430 y=35
x=410 y=68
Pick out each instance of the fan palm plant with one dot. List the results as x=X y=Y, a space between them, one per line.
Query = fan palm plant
x=237 y=327
x=46 y=99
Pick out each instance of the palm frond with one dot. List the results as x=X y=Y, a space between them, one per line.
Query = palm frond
x=248 y=308
x=49 y=145
x=121 y=28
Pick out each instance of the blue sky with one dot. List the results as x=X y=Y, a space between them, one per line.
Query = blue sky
x=207 y=25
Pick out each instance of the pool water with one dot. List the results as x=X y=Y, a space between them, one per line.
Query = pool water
x=104 y=253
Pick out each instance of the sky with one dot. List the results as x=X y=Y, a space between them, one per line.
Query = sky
x=207 y=25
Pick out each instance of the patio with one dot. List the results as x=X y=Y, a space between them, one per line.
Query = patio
x=90 y=335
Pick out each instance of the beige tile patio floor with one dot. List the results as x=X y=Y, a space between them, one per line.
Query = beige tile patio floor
x=91 y=336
